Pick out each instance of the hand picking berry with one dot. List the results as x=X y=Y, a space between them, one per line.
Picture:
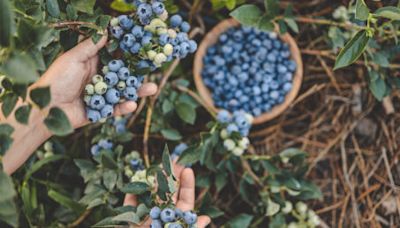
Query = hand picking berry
x=107 y=91
x=171 y=217
x=248 y=69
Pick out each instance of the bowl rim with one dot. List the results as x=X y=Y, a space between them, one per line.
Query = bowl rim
x=212 y=37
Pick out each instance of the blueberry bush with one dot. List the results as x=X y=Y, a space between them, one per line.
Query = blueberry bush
x=79 y=178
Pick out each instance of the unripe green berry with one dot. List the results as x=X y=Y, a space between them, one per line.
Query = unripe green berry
x=238 y=151
x=48 y=154
x=229 y=144
x=114 y=21
x=292 y=192
x=121 y=85
x=164 y=16
x=151 y=55
x=89 y=89
x=244 y=143
x=100 y=88
x=168 y=49
x=105 y=70
x=161 y=31
x=158 y=23
x=86 y=99
x=288 y=207
x=301 y=208
x=272 y=208
x=48 y=146
x=224 y=134
x=159 y=59
x=40 y=154
x=97 y=78
x=171 y=33
x=275 y=189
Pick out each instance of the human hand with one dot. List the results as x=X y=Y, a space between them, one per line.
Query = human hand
x=184 y=198
x=68 y=76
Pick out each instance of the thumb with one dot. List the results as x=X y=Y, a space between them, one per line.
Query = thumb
x=87 y=48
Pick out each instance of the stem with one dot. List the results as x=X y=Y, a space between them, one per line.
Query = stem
x=81 y=218
x=146 y=136
x=63 y=24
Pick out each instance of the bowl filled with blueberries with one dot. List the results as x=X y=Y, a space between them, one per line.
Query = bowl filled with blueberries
x=243 y=68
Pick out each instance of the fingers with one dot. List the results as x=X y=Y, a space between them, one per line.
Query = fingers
x=186 y=199
x=130 y=200
x=177 y=170
x=87 y=49
x=125 y=108
x=148 y=89
x=203 y=221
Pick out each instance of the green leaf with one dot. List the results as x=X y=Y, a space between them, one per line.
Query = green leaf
x=41 y=96
x=84 y=6
x=292 y=24
x=271 y=7
x=135 y=188
x=22 y=114
x=5 y=143
x=8 y=209
x=247 y=15
x=53 y=8
x=362 y=10
x=8 y=105
x=38 y=165
x=282 y=26
x=6 y=22
x=241 y=221
x=352 y=50
x=265 y=24
x=190 y=156
x=381 y=58
x=230 y=4
x=121 y=6
x=6 y=129
x=57 y=122
x=389 y=12
x=166 y=161
x=186 y=112
x=127 y=217
x=20 y=67
x=72 y=14
x=108 y=162
x=171 y=134
x=86 y=168
x=66 y=201
x=378 y=88
x=163 y=187
x=110 y=179
x=309 y=191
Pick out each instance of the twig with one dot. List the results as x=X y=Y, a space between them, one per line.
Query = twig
x=191 y=93
x=80 y=219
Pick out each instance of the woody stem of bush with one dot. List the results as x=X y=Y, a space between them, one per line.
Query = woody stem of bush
x=153 y=100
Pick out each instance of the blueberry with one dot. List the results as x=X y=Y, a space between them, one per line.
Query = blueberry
x=135 y=48
x=93 y=115
x=224 y=116
x=107 y=111
x=128 y=40
x=95 y=150
x=232 y=128
x=156 y=224
x=137 y=31
x=144 y=10
x=256 y=90
x=291 y=65
x=132 y=81
x=154 y=212
x=125 y=22
x=190 y=217
x=123 y=73
x=130 y=93
x=178 y=213
x=192 y=46
x=114 y=65
x=163 y=39
x=185 y=27
x=120 y=128
x=158 y=8
x=142 y=64
x=287 y=86
x=274 y=94
x=223 y=37
x=176 y=20
x=182 y=37
x=146 y=40
x=105 y=144
x=167 y=215
x=281 y=69
x=112 y=96
x=111 y=78
x=174 y=225
x=179 y=149
x=97 y=102
x=116 y=31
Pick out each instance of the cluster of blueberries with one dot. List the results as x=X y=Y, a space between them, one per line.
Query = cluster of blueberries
x=119 y=125
x=239 y=122
x=152 y=37
x=103 y=93
x=135 y=161
x=172 y=218
x=248 y=69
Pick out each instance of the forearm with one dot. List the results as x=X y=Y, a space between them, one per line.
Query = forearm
x=26 y=138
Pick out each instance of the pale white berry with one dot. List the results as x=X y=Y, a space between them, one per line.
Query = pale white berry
x=160 y=58
x=244 y=143
x=238 y=151
x=168 y=49
x=151 y=55
x=224 y=134
x=229 y=144
x=301 y=208
x=288 y=207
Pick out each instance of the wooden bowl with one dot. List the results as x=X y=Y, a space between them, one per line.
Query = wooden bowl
x=212 y=37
